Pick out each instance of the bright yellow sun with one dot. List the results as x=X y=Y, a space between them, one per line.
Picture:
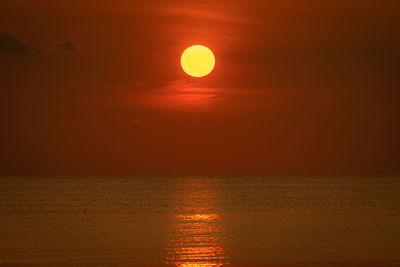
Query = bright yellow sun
x=197 y=60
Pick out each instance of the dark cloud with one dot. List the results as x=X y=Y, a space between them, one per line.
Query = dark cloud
x=68 y=45
x=112 y=48
x=11 y=44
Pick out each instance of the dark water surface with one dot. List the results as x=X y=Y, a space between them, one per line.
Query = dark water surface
x=200 y=221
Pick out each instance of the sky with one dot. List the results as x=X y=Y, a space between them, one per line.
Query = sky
x=299 y=87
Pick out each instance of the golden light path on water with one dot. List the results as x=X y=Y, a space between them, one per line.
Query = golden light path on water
x=197 y=239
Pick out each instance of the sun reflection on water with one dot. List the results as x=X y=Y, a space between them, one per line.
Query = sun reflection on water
x=197 y=240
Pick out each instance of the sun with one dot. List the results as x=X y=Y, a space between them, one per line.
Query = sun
x=197 y=60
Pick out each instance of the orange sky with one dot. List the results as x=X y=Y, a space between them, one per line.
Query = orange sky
x=299 y=87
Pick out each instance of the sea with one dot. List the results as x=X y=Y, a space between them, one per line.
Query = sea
x=200 y=220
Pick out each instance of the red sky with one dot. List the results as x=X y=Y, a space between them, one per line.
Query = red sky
x=299 y=87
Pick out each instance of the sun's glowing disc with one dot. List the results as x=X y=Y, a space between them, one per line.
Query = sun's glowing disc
x=197 y=61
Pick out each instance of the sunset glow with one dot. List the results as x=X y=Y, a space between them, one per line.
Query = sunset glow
x=181 y=133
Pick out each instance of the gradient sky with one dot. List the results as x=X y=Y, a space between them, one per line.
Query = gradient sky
x=299 y=87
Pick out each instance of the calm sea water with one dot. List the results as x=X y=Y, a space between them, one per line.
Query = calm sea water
x=200 y=221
